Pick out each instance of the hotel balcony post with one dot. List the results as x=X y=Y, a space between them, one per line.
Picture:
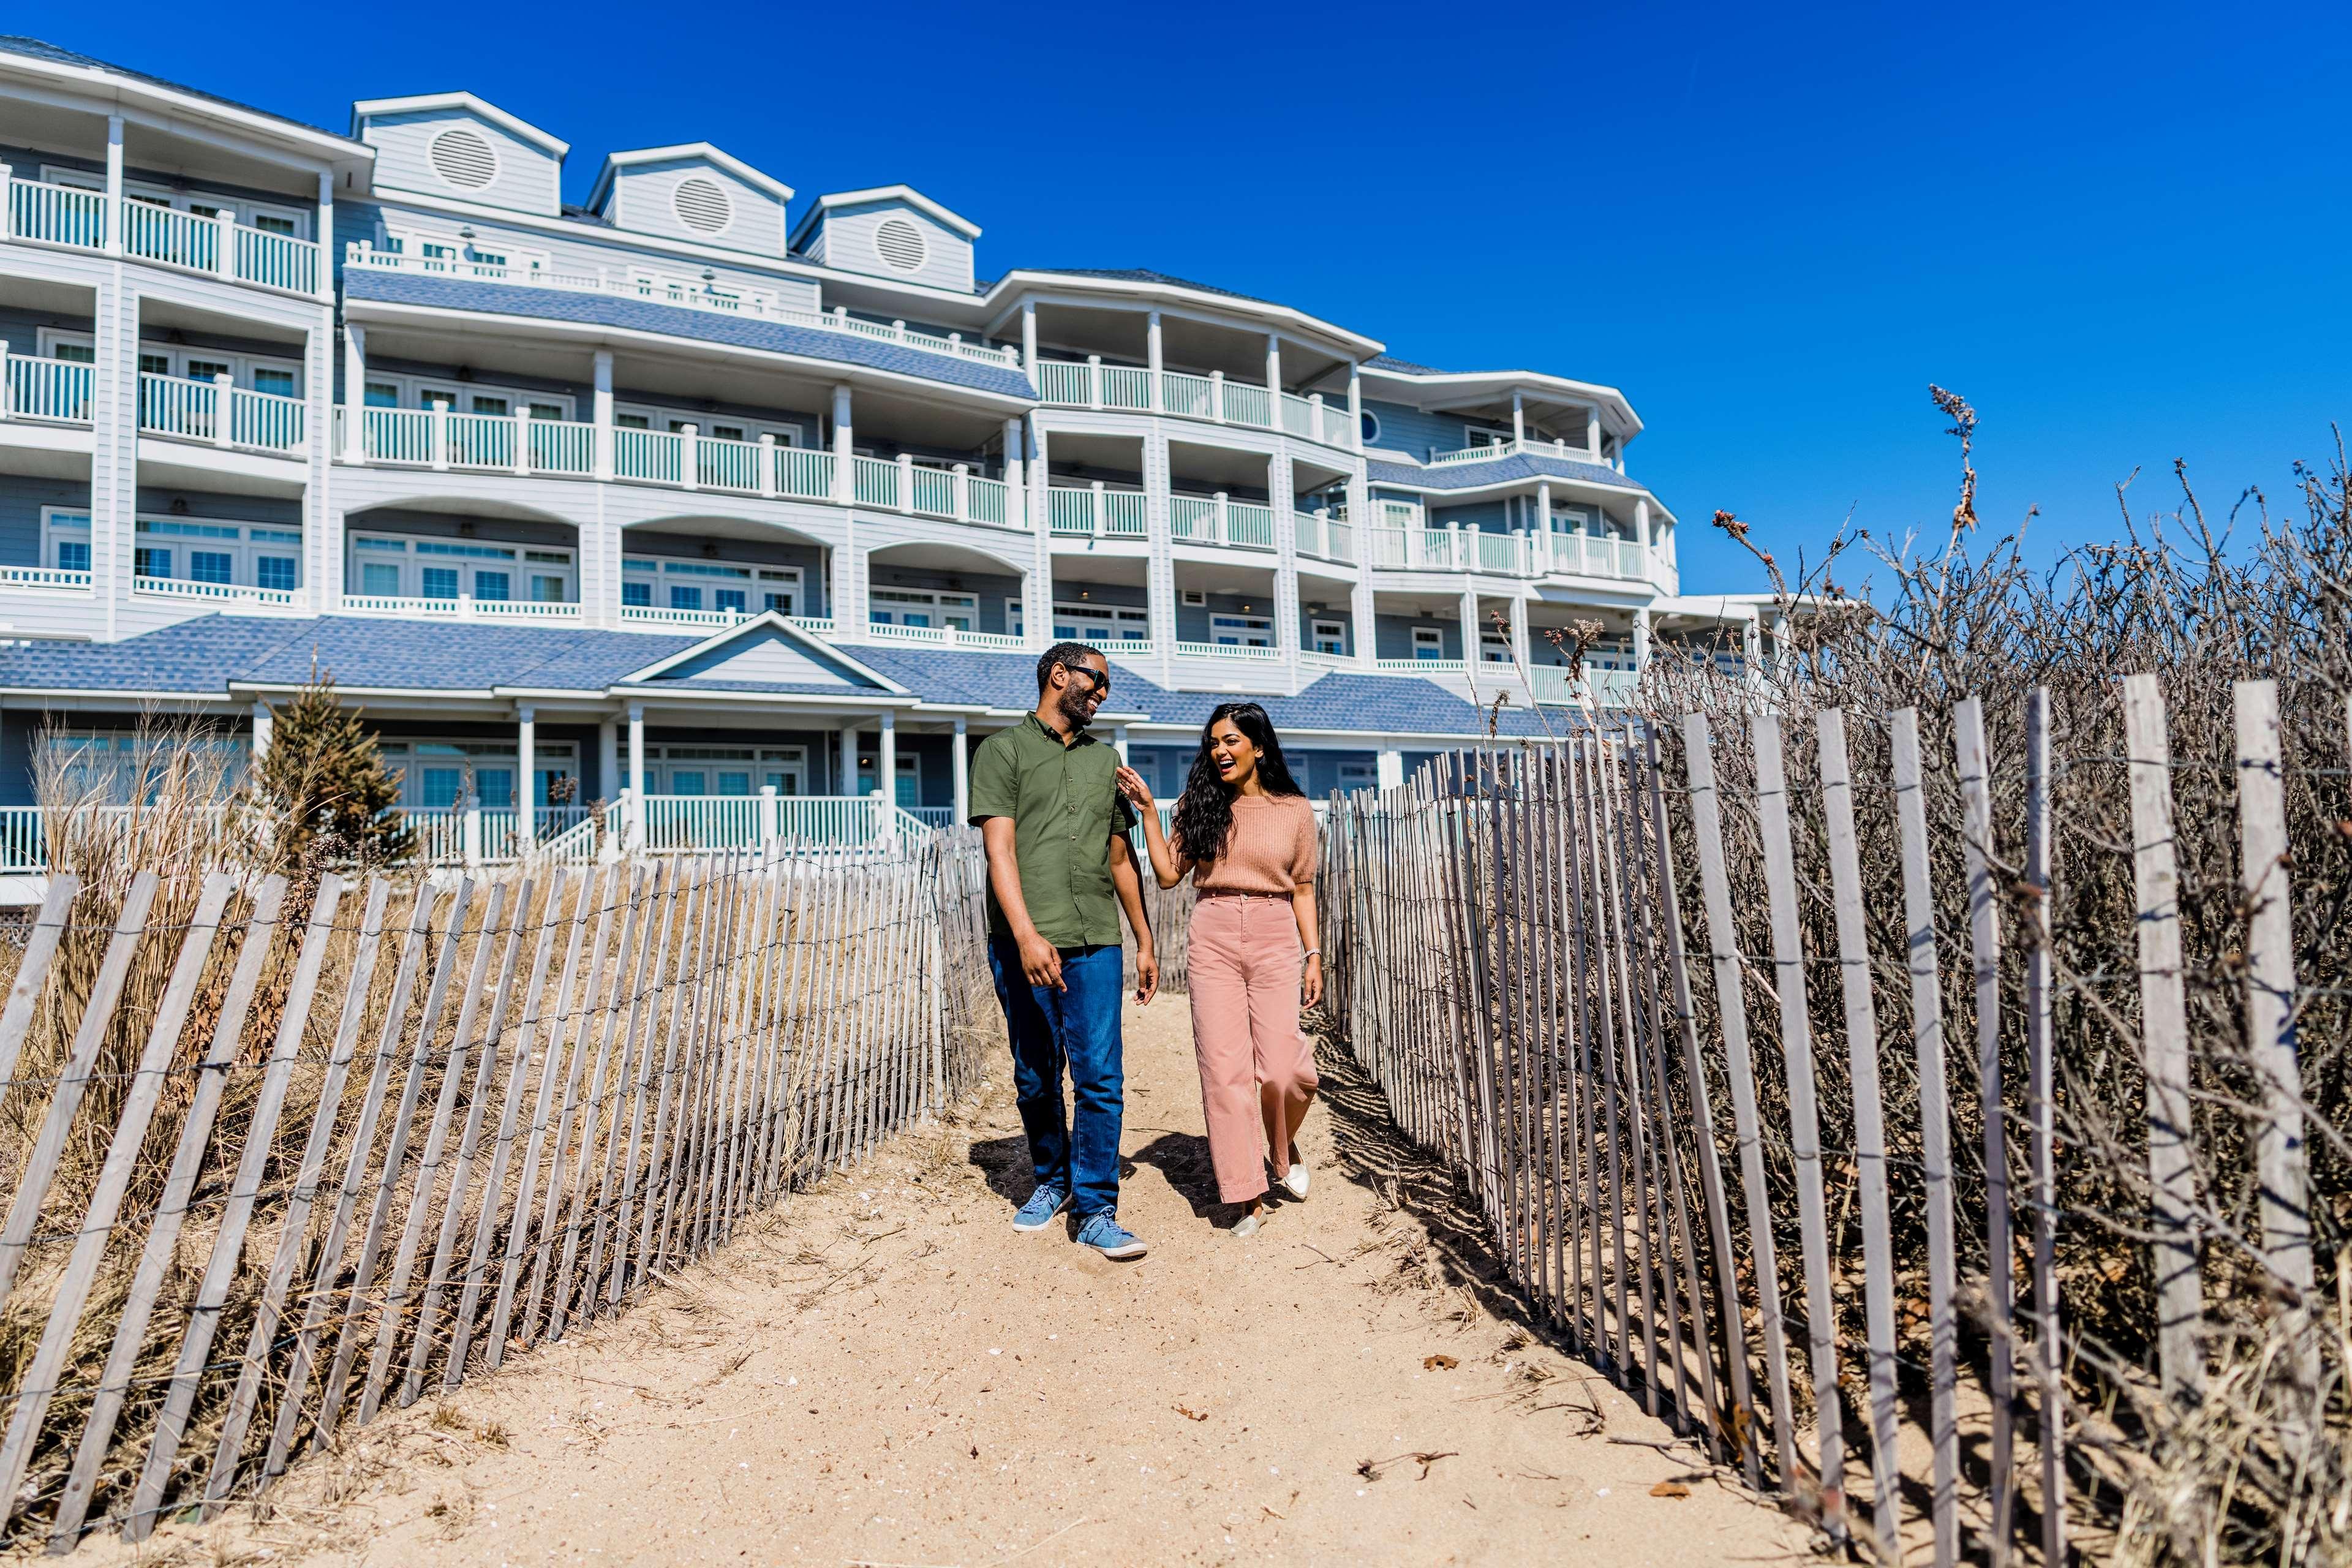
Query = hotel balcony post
x=768 y=463
x=354 y=393
x=634 y=819
x=440 y=434
x=1355 y=407
x=603 y=414
x=1156 y=359
x=771 y=830
x=960 y=771
x=114 y=185
x=1642 y=639
x=327 y=236
x=1593 y=433
x=526 y=776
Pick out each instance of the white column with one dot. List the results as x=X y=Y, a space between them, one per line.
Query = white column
x=960 y=770
x=849 y=760
x=1119 y=741
x=848 y=564
x=354 y=393
x=1154 y=358
x=526 y=775
x=264 y=722
x=1593 y=433
x=1641 y=637
x=1470 y=628
x=1361 y=598
x=1159 y=576
x=1355 y=407
x=608 y=759
x=1274 y=379
x=327 y=236
x=886 y=757
x=114 y=185
x=1389 y=769
x=604 y=413
x=1781 y=645
x=1518 y=415
x=1519 y=648
x=1029 y=338
x=1037 y=593
x=635 y=827
x=1642 y=520
x=1016 y=498
x=1279 y=488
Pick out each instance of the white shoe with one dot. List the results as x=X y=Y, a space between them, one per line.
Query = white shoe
x=1244 y=1227
x=1293 y=1181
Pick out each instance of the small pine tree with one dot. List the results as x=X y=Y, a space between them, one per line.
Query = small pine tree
x=320 y=791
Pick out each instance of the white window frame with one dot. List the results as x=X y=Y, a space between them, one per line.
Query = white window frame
x=126 y=750
x=1319 y=630
x=789 y=765
x=412 y=391
x=1494 y=437
x=668 y=420
x=54 y=533
x=466 y=254
x=1428 y=643
x=1109 y=623
x=890 y=607
x=405 y=758
x=1254 y=631
x=176 y=356
x=252 y=542
x=516 y=561
x=757 y=580
x=242 y=210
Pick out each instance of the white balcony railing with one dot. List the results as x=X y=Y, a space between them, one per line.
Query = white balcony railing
x=193 y=411
x=1090 y=384
x=49 y=579
x=946 y=637
x=1226 y=650
x=1419 y=666
x=200 y=242
x=1325 y=537
x=1531 y=444
x=1219 y=520
x=1097 y=512
x=1133 y=649
x=1521 y=554
x=235 y=594
x=465 y=607
x=1559 y=685
x=52 y=389
x=623 y=282
x=57 y=214
x=648 y=617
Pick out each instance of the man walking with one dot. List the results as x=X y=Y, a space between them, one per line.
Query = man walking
x=1045 y=798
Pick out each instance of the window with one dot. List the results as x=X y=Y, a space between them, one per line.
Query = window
x=439 y=775
x=1240 y=631
x=1329 y=637
x=727 y=427
x=1355 y=775
x=218 y=552
x=291 y=221
x=725 y=770
x=688 y=585
x=393 y=566
x=1428 y=642
x=391 y=391
x=1101 y=624
x=915 y=607
x=1193 y=597
x=1477 y=436
x=65 y=539
x=122 y=767
x=1371 y=428
x=254 y=372
x=909 y=792
x=1494 y=649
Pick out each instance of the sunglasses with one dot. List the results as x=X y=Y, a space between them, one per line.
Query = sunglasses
x=1101 y=681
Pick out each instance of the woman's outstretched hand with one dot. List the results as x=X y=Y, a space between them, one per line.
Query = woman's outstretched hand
x=1132 y=784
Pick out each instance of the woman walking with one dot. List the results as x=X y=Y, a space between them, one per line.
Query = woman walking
x=1246 y=836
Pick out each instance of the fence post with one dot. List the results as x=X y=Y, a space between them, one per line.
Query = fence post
x=770 y=821
x=884 y=829
x=689 y=456
x=522 y=441
x=224 y=390
x=470 y=830
x=767 y=485
x=439 y=430
x=224 y=257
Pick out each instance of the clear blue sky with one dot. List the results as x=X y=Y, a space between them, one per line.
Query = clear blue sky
x=2119 y=230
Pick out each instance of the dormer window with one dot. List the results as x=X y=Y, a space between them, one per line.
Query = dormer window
x=900 y=245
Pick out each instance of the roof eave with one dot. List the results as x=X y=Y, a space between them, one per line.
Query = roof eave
x=411 y=103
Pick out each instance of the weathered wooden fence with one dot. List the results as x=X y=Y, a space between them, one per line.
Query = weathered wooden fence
x=276 y=1157
x=1560 y=961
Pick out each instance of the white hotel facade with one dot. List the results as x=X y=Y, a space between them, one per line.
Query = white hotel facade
x=705 y=494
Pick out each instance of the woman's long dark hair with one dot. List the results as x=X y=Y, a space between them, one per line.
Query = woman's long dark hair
x=1205 y=811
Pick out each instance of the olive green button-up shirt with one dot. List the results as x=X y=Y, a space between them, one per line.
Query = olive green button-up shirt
x=1065 y=804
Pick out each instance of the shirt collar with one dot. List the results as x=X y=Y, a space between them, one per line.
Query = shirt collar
x=1080 y=739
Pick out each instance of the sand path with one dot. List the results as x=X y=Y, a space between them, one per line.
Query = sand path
x=885 y=1373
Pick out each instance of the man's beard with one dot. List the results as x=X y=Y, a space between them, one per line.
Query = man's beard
x=1074 y=710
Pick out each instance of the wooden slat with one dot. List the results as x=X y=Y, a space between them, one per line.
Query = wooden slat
x=627 y=1010
x=645 y=1013
x=528 y=1178
x=37 y=1385
x=616 y=1011
x=1869 y=1127
x=1723 y=945
x=2282 y=1160
x=1984 y=949
x=226 y=1453
x=73 y=1079
x=2040 y=1109
x=2164 y=1025
x=33 y=970
x=322 y=1292
x=1934 y=1133
x=229 y=1242
x=693 y=922
x=547 y=1270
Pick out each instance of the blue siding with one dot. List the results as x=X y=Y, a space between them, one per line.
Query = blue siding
x=22 y=497
x=1393 y=635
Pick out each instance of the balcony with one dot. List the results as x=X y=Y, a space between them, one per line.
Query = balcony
x=1521 y=447
x=75 y=218
x=946 y=637
x=1249 y=651
x=1326 y=538
x=465 y=607
x=235 y=597
x=1093 y=513
x=52 y=389
x=1517 y=555
x=1127 y=389
x=648 y=617
x=1555 y=685
x=1218 y=519
x=952 y=493
x=622 y=284
x=193 y=411
x=45 y=579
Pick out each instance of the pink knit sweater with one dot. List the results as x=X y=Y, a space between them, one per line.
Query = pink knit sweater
x=1270 y=850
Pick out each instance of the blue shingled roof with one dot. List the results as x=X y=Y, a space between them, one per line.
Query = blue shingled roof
x=1403 y=366
x=1500 y=470
x=681 y=321
x=206 y=656
x=35 y=49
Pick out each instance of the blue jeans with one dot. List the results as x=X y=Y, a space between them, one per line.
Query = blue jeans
x=1078 y=1027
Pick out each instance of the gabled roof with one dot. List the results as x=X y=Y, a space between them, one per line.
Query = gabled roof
x=907 y=193
x=419 y=102
x=704 y=150
x=766 y=624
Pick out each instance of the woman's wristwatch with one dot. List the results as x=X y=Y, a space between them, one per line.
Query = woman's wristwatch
x=1312 y=952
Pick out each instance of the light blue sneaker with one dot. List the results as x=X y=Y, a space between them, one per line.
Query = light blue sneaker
x=1103 y=1232
x=1039 y=1211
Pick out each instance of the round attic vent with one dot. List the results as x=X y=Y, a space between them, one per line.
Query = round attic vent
x=465 y=158
x=900 y=245
x=701 y=205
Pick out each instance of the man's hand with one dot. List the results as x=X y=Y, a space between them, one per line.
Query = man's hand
x=1310 y=989
x=1147 y=975
x=1041 y=961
